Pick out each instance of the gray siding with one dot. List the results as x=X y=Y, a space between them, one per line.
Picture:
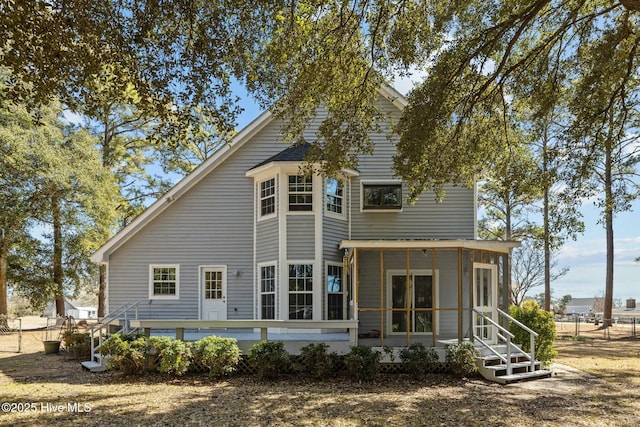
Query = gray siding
x=300 y=237
x=211 y=224
x=267 y=240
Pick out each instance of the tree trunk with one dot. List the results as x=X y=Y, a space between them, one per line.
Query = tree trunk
x=4 y=254
x=608 y=219
x=102 y=286
x=57 y=255
x=547 y=248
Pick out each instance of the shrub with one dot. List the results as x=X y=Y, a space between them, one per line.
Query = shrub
x=219 y=355
x=419 y=360
x=461 y=359
x=315 y=360
x=269 y=359
x=541 y=322
x=125 y=355
x=363 y=363
x=77 y=344
x=173 y=356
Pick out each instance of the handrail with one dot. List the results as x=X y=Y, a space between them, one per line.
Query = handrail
x=532 y=337
x=507 y=339
x=108 y=320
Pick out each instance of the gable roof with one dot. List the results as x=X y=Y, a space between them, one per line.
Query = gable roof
x=201 y=171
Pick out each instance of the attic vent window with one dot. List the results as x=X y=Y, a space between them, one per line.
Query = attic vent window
x=382 y=196
x=300 y=193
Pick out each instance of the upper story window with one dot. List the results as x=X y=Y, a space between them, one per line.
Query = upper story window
x=382 y=196
x=164 y=281
x=268 y=197
x=335 y=197
x=300 y=193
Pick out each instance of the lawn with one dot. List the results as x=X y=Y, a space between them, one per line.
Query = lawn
x=51 y=390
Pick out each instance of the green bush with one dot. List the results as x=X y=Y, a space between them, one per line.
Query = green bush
x=419 y=360
x=173 y=356
x=363 y=363
x=269 y=359
x=541 y=322
x=77 y=344
x=219 y=355
x=129 y=356
x=315 y=361
x=461 y=359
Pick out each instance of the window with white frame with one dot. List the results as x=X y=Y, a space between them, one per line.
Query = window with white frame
x=300 y=291
x=268 y=292
x=300 y=193
x=382 y=196
x=164 y=281
x=335 y=292
x=335 y=197
x=268 y=197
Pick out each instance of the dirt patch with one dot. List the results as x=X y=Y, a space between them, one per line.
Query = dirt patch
x=59 y=392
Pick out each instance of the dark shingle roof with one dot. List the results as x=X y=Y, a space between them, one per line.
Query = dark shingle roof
x=295 y=153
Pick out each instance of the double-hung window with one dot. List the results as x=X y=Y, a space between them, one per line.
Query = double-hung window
x=335 y=292
x=300 y=291
x=268 y=197
x=268 y=292
x=335 y=196
x=300 y=193
x=164 y=281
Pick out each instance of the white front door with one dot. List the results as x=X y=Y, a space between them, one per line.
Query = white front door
x=213 y=293
x=485 y=300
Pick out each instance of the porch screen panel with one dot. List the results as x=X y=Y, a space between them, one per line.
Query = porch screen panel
x=399 y=301
x=422 y=320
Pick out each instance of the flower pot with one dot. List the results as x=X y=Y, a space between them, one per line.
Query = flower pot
x=51 y=347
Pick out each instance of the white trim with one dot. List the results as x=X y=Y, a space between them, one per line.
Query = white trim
x=325 y=194
x=318 y=281
x=258 y=185
x=152 y=296
x=435 y=281
x=487 y=245
x=282 y=254
x=273 y=264
x=106 y=288
x=381 y=182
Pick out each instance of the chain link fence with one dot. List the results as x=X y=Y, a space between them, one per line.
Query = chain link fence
x=10 y=334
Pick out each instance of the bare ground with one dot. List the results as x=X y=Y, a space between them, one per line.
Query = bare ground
x=595 y=382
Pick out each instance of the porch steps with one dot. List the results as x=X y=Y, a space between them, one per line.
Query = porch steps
x=494 y=369
x=94 y=366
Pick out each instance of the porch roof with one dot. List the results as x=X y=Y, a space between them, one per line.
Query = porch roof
x=484 y=245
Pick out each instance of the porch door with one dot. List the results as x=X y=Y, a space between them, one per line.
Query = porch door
x=485 y=300
x=416 y=297
x=213 y=288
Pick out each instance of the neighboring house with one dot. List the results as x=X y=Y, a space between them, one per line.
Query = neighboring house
x=70 y=309
x=584 y=307
x=248 y=236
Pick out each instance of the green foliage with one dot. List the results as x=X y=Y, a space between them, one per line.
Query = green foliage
x=219 y=355
x=419 y=360
x=269 y=359
x=127 y=355
x=316 y=362
x=461 y=359
x=174 y=356
x=541 y=322
x=363 y=363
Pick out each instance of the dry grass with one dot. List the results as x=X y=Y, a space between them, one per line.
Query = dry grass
x=611 y=397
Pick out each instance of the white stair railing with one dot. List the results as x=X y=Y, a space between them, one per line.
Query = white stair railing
x=120 y=316
x=507 y=337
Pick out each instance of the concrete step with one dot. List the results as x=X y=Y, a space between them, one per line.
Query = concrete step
x=93 y=366
x=522 y=376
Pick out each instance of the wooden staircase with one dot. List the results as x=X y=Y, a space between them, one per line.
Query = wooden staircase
x=494 y=367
